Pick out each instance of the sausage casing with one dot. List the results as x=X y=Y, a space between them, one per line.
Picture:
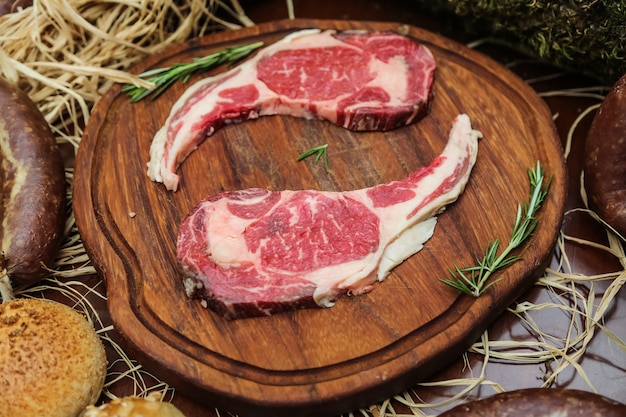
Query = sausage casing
x=605 y=158
x=540 y=402
x=33 y=190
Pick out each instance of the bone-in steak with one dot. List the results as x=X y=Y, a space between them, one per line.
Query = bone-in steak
x=256 y=252
x=358 y=80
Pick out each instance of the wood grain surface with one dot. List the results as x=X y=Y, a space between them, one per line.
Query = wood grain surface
x=366 y=348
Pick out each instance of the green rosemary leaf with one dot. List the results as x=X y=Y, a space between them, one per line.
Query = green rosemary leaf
x=474 y=279
x=491 y=252
x=163 y=78
x=457 y=285
x=320 y=152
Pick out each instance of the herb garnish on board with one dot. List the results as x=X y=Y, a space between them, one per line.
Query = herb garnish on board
x=319 y=152
x=162 y=78
x=473 y=279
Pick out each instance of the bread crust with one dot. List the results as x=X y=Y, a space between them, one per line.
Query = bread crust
x=53 y=362
x=150 y=406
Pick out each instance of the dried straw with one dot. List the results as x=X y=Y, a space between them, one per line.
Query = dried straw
x=66 y=53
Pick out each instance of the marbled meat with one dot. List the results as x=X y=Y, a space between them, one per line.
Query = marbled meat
x=256 y=252
x=355 y=79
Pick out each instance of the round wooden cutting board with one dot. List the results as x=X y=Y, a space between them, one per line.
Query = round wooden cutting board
x=365 y=348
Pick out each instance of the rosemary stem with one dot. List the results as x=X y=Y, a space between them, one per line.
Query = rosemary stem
x=473 y=280
x=162 y=78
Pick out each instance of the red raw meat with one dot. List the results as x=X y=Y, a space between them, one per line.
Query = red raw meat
x=357 y=80
x=257 y=252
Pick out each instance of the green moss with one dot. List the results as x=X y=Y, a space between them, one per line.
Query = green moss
x=587 y=36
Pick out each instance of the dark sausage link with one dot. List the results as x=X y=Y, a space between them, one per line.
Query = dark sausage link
x=33 y=190
x=540 y=402
x=10 y=6
x=605 y=164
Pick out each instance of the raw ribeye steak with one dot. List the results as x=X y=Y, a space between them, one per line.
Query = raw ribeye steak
x=358 y=80
x=256 y=252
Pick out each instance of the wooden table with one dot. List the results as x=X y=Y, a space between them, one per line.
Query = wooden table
x=604 y=362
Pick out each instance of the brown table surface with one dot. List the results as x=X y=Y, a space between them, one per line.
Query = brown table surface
x=604 y=362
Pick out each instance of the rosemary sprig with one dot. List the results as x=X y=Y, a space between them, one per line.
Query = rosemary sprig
x=162 y=78
x=319 y=152
x=473 y=279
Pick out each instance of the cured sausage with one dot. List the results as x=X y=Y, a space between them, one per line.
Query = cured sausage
x=540 y=402
x=10 y=6
x=32 y=191
x=605 y=164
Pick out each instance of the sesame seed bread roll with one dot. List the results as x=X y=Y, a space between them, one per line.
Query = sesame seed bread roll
x=150 y=406
x=53 y=362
